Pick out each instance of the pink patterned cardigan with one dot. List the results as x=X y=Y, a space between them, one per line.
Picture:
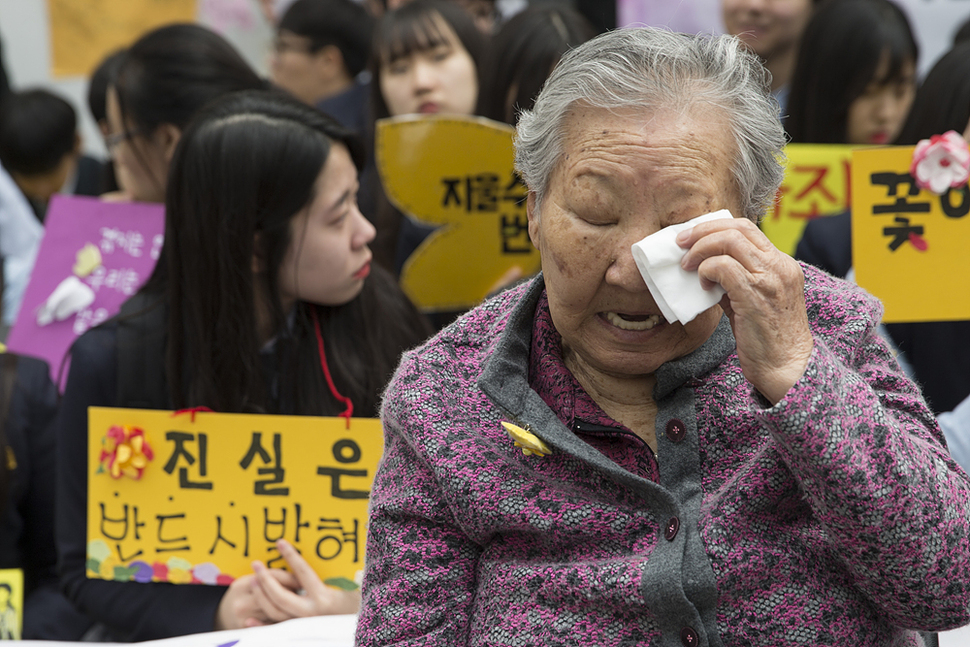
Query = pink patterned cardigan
x=835 y=517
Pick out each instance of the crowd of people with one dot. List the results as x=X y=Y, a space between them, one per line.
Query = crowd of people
x=764 y=473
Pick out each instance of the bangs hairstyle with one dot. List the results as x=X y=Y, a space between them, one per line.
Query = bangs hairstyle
x=838 y=58
x=239 y=175
x=943 y=101
x=416 y=27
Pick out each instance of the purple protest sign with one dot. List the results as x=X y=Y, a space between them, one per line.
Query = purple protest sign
x=129 y=237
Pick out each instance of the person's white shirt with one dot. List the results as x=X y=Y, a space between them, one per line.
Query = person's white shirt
x=956 y=427
x=20 y=236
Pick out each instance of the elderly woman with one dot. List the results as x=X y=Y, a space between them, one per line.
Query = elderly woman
x=763 y=474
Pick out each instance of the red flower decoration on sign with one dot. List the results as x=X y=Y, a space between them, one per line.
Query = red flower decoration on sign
x=125 y=452
x=941 y=162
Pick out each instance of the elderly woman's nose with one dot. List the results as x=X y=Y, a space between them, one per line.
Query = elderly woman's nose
x=623 y=272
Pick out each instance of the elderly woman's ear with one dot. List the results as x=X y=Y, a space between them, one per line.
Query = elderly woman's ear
x=530 y=206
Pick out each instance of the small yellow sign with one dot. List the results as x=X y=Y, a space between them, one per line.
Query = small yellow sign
x=909 y=246
x=11 y=603
x=816 y=184
x=83 y=33
x=196 y=497
x=477 y=199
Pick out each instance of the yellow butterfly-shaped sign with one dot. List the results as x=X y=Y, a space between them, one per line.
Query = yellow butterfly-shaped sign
x=456 y=172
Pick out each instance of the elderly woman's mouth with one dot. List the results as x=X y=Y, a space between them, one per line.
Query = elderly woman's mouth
x=633 y=322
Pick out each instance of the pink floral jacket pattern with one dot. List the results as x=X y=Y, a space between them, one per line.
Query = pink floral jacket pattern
x=835 y=517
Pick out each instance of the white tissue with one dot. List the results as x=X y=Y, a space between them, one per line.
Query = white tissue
x=68 y=298
x=678 y=292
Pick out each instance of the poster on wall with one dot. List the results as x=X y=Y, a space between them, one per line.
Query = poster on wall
x=689 y=17
x=83 y=33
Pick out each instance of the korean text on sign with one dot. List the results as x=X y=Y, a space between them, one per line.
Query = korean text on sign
x=816 y=184
x=909 y=246
x=214 y=494
x=477 y=201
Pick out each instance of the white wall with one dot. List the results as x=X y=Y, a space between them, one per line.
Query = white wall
x=27 y=53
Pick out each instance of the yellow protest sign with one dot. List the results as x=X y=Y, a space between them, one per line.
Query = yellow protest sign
x=456 y=172
x=816 y=184
x=909 y=246
x=11 y=603
x=84 y=32
x=176 y=500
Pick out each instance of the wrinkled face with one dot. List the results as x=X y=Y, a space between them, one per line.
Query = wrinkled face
x=878 y=114
x=767 y=27
x=438 y=79
x=294 y=66
x=141 y=164
x=328 y=258
x=624 y=175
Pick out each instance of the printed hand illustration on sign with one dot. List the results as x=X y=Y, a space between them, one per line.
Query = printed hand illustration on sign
x=478 y=201
x=106 y=250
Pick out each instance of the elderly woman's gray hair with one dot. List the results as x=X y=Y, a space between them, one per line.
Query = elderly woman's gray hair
x=656 y=69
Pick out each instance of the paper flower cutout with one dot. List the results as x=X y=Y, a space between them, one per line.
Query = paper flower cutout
x=87 y=259
x=102 y=564
x=527 y=441
x=941 y=162
x=125 y=452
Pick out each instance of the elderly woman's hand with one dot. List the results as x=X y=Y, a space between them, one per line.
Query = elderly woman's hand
x=765 y=300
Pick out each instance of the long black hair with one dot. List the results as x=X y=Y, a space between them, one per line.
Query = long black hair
x=840 y=52
x=239 y=175
x=521 y=56
x=943 y=101
x=172 y=72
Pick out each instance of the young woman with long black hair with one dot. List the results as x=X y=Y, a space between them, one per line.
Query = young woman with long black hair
x=424 y=60
x=160 y=83
x=264 y=301
x=855 y=77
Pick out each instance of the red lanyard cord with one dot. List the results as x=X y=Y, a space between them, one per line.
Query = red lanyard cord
x=192 y=411
x=349 y=411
